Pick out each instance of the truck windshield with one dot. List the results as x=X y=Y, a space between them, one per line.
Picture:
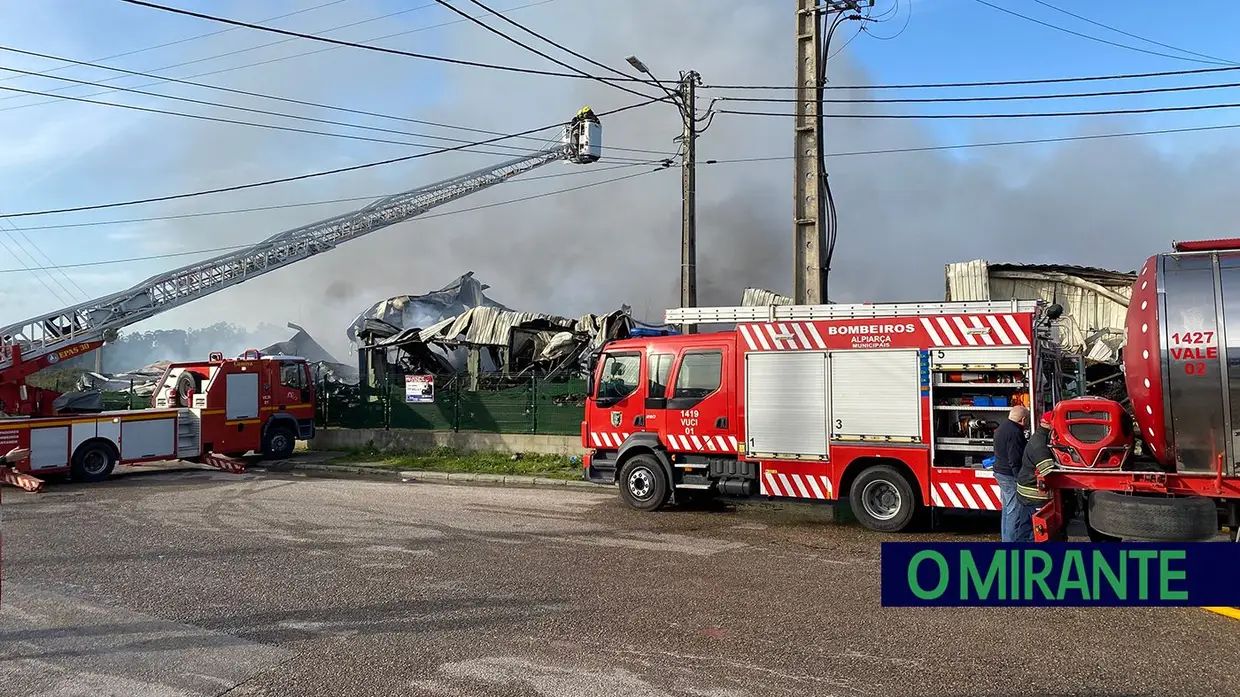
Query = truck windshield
x=618 y=378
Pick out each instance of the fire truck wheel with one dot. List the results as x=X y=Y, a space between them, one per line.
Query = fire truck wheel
x=185 y=383
x=279 y=442
x=93 y=462
x=882 y=499
x=1153 y=518
x=643 y=483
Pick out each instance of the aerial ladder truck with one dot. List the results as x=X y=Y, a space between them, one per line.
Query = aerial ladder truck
x=215 y=410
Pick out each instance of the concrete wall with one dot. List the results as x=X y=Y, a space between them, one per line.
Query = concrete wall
x=418 y=440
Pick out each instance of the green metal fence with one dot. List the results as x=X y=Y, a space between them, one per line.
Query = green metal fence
x=491 y=403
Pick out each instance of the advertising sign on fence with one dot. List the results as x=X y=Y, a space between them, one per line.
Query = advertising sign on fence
x=419 y=388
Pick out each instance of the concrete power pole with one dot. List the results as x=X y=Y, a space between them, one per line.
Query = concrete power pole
x=809 y=260
x=688 y=184
x=807 y=251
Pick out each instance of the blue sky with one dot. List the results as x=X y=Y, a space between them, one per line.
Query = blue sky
x=65 y=154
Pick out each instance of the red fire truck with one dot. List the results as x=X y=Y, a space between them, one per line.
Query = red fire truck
x=1174 y=476
x=210 y=411
x=890 y=407
x=213 y=410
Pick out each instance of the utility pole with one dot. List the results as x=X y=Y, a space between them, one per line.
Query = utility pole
x=808 y=256
x=688 y=190
x=685 y=99
x=808 y=240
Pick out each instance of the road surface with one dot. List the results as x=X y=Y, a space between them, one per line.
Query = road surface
x=200 y=583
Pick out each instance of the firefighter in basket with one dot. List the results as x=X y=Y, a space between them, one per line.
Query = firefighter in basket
x=1031 y=493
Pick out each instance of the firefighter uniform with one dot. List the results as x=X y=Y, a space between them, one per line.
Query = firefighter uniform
x=1036 y=461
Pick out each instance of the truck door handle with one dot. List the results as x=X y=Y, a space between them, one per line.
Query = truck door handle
x=721 y=422
x=639 y=420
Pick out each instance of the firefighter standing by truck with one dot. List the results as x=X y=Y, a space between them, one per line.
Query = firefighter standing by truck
x=1036 y=461
x=1009 y=446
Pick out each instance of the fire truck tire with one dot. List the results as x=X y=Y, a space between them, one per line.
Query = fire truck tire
x=1153 y=518
x=278 y=442
x=882 y=499
x=643 y=483
x=185 y=383
x=93 y=461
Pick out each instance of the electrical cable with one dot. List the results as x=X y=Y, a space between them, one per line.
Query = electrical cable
x=560 y=46
x=908 y=17
x=830 y=225
x=278 y=59
x=712 y=161
x=367 y=47
x=1027 y=115
x=990 y=144
x=667 y=161
x=992 y=98
x=37 y=248
x=202 y=117
x=254 y=94
x=33 y=270
x=535 y=51
x=311 y=175
x=991 y=83
x=1083 y=36
x=1134 y=36
x=193 y=38
x=413 y=220
x=304 y=204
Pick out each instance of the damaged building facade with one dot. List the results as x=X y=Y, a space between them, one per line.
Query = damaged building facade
x=1095 y=303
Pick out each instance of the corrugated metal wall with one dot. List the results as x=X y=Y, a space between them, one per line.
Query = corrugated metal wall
x=1085 y=311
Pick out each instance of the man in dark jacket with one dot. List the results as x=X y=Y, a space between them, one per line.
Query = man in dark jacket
x=1009 y=446
x=1036 y=461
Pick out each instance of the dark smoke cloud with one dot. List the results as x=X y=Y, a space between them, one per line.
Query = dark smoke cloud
x=901 y=217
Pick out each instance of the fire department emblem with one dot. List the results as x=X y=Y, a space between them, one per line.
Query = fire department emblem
x=615 y=419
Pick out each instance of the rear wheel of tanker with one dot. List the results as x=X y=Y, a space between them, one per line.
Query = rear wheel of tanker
x=1139 y=518
x=883 y=500
x=278 y=442
x=93 y=462
x=643 y=483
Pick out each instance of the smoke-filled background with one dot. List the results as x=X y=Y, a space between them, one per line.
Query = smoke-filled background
x=902 y=216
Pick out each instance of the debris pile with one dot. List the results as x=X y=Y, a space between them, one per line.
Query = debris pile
x=458 y=329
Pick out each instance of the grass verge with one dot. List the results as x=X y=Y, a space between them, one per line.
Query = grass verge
x=449 y=460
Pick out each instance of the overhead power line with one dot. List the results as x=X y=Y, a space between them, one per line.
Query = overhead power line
x=261 y=95
x=1087 y=20
x=562 y=47
x=990 y=144
x=536 y=52
x=311 y=175
x=992 y=98
x=277 y=59
x=1027 y=115
x=715 y=161
x=367 y=47
x=414 y=220
x=306 y=204
x=196 y=37
x=989 y=83
x=1088 y=36
x=253 y=124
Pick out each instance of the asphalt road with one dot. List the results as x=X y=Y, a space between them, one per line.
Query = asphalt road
x=202 y=583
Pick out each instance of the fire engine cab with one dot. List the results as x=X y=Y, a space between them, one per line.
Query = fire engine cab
x=890 y=407
x=210 y=411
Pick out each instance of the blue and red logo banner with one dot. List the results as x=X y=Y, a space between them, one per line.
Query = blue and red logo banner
x=986 y=574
